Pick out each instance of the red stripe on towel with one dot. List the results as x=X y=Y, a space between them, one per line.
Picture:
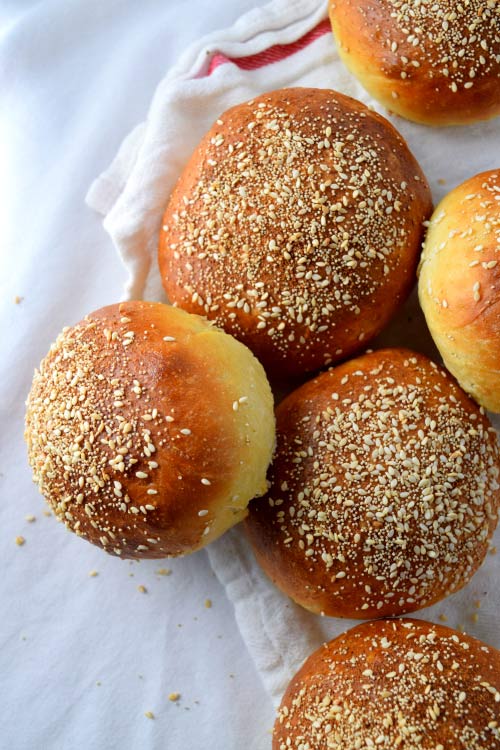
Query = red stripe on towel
x=273 y=54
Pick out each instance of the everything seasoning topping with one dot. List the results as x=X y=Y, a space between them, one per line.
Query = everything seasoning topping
x=298 y=216
x=390 y=488
x=416 y=686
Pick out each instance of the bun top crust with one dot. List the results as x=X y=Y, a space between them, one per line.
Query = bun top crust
x=383 y=490
x=459 y=284
x=149 y=430
x=402 y=684
x=433 y=61
x=296 y=227
x=460 y=264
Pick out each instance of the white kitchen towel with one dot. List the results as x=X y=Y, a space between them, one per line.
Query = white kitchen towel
x=285 y=43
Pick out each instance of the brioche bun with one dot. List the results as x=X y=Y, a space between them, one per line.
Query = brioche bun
x=383 y=490
x=459 y=285
x=394 y=684
x=432 y=61
x=149 y=430
x=296 y=227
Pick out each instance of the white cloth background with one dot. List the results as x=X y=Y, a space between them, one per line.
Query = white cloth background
x=132 y=194
x=75 y=77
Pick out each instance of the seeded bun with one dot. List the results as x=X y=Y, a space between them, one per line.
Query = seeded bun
x=296 y=227
x=459 y=285
x=394 y=684
x=434 y=62
x=149 y=430
x=384 y=489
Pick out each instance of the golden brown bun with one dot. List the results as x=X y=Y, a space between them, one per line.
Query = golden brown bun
x=434 y=62
x=459 y=285
x=296 y=227
x=384 y=489
x=149 y=430
x=394 y=685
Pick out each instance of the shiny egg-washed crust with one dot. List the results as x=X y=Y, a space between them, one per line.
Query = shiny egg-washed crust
x=149 y=430
x=459 y=285
x=383 y=489
x=432 y=61
x=296 y=227
x=394 y=685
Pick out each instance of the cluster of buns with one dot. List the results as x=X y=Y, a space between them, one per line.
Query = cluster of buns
x=436 y=63
x=149 y=430
x=296 y=227
x=404 y=684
